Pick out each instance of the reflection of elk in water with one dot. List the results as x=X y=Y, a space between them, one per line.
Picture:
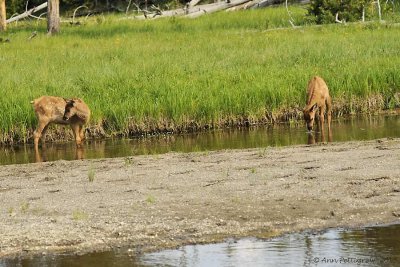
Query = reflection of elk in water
x=317 y=97
x=312 y=139
x=51 y=109
x=42 y=156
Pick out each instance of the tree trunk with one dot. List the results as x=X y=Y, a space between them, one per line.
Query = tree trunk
x=53 y=16
x=379 y=10
x=3 y=23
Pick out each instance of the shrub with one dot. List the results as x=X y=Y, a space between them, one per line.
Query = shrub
x=324 y=11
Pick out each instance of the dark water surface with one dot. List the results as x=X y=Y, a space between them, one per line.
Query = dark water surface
x=354 y=128
x=370 y=246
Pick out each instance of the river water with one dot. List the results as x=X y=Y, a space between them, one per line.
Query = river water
x=369 y=246
x=349 y=129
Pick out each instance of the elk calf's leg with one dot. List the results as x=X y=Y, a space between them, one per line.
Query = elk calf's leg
x=37 y=134
x=82 y=132
x=77 y=135
x=321 y=117
x=329 y=105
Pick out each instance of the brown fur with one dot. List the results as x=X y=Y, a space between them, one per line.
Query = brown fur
x=52 y=109
x=317 y=97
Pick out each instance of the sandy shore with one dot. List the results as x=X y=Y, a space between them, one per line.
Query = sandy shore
x=164 y=201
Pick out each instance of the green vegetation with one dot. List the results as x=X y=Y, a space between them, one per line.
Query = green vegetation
x=128 y=161
x=10 y=211
x=324 y=11
x=150 y=199
x=78 y=215
x=178 y=74
x=91 y=174
x=24 y=207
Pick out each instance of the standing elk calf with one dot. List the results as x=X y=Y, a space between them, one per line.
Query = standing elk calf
x=317 y=97
x=52 y=109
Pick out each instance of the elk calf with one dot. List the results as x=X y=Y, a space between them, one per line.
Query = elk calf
x=52 y=109
x=317 y=97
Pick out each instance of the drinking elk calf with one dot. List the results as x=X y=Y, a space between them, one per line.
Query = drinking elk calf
x=58 y=110
x=317 y=97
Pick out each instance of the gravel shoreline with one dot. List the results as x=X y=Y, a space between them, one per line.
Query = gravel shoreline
x=163 y=201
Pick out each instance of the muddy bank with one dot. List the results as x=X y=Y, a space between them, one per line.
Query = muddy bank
x=104 y=127
x=163 y=201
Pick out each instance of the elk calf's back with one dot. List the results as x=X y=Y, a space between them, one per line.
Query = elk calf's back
x=53 y=109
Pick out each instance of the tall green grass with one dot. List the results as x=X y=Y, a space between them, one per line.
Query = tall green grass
x=174 y=73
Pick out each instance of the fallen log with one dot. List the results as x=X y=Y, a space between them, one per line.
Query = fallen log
x=27 y=13
x=172 y=13
x=193 y=12
x=218 y=7
x=242 y=6
x=267 y=3
x=193 y=3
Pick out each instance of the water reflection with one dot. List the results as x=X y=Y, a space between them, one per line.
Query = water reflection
x=375 y=246
x=319 y=136
x=356 y=128
x=41 y=154
x=103 y=259
x=371 y=246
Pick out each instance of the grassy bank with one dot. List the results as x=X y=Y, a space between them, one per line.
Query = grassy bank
x=177 y=74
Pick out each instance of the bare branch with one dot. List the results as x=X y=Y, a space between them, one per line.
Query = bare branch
x=157 y=9
x=337 y=18
x=76 y=9
x=33 y=35
x=127 y=8
x=290 y=15
x=38 y=17
x=363 y=14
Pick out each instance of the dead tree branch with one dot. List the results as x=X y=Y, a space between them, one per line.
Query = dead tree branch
x=33 y=35
x=291 y=21
x=27 y=13
x=76 y=9
x=127 y=8
x=337 y=18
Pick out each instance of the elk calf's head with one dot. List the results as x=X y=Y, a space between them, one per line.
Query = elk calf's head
x=76 y=107
x=309 y=116
x=70 y=110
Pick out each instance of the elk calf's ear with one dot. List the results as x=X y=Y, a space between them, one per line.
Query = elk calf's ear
x=70 y=103
x=314 y=107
